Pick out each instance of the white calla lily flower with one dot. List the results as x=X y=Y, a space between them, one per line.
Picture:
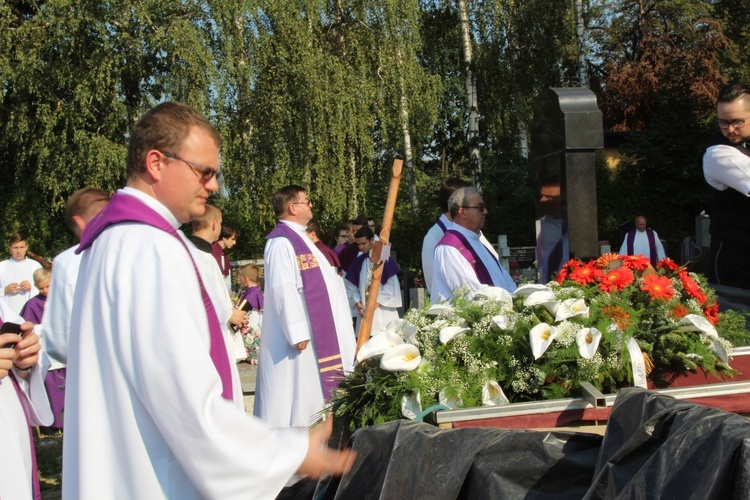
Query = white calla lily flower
x=402 y=358
x=571 y=307
x=588 y=342
x=494 y=293
x=440 y=309
x=378 y=344
x=448 y=333
x=697 y=323
x=493 y=395
x=450 y=398
x=505 y=322
x=541 y=336
x=544 y=298
x=529 y=289
x=411 y=406
x=402 y=328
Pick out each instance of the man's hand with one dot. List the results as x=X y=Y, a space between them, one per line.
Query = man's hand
x=238 y=318
x=25 y=285
x=7 y=354
x=28 y=348
x=321 y=460
x=302 y=345
x=361 y=309
x=12 y=288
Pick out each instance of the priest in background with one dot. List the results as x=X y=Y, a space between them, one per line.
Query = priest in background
x=643 y=241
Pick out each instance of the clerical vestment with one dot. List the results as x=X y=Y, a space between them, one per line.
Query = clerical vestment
x=453 y=270
x=358 y=281
x=16 y=271
x=145 y=416
x=289 y=391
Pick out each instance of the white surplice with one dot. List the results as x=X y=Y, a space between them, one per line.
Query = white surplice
x=288 y=391
x=217 y=290
x=429 y=243
x=389 y=298
x=16 y=271
x=15 y=458
x=452 y=270
x=56 y=320
x=144 y=413
x=641 y=247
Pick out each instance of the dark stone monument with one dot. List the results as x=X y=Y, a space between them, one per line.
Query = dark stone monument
x=565 y=134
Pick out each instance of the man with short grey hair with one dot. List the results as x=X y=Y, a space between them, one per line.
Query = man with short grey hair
x=460 y=257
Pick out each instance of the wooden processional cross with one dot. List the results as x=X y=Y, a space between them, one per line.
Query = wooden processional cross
x=377 y=271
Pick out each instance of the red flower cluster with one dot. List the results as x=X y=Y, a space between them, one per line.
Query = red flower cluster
x=585 y=274
x=712 y=312
x=619 y=315
x=692 y=288
x=616 y=280
x=658 y=287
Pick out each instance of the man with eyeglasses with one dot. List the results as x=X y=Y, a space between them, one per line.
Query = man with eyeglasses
x=154 y=405
x=726 y=167
x=307 y=342
x=461 y=260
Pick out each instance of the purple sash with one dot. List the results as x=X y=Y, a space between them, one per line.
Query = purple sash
x=441 y=225
x=124 y=208
x=325 y=339
x=459 y=242
x=34 y=473
x=651 y=244
x=390 y=268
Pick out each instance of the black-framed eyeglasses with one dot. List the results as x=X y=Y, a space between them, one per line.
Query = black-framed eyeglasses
x=481 y=207
x=308 y=203
x=724 y=124
x=205 y=174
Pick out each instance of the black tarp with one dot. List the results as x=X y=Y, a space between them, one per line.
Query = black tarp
x=654 y=447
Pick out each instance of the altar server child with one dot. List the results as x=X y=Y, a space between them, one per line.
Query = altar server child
x=33 y=310
x=251 y=300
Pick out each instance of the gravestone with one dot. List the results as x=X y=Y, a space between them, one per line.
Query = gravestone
x=565 y=135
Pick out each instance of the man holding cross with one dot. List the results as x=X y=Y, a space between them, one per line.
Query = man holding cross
x=307 y=341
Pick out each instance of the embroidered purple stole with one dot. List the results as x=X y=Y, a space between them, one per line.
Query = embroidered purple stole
x=124 y=208
x=390 y=268
x=459 y=242
x=651 y=244
x=325 y=339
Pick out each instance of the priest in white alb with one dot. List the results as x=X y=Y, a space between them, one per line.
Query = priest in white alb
x=154 y=405
x=643 y=241
x=307 y=341
x=461 y=259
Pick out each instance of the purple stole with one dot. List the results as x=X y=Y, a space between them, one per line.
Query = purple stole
x=441 y=225
x=459 y=242
x=124 y=208
x=33 y=309
x=34 y=474
x=651 y=244
x=254 y=297
x=325 y=339
x=390 y=268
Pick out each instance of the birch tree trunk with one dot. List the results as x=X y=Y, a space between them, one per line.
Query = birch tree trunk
x=408 y=156
x=475 y=159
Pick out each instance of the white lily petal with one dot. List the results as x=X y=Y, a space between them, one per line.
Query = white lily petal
x=493 y=395
x=505 y=322
x=588 y=341
x=529 y=289
x=449 y=398
x=571 y=307
x=539 y=298
x=495 y=293
x=541 y=336
x=450 y=332
x=402 y=358
x=411 y=405
x=378 y=344
x=441 y=309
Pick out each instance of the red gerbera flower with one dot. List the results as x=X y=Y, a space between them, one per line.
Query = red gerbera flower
x=637 y=262
x=658 y=287
x=712 y=312
x=679 y=311
x=585 y=274
x=667 y=263
x=605 y=259
x=692 y=288
x=616 y=279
